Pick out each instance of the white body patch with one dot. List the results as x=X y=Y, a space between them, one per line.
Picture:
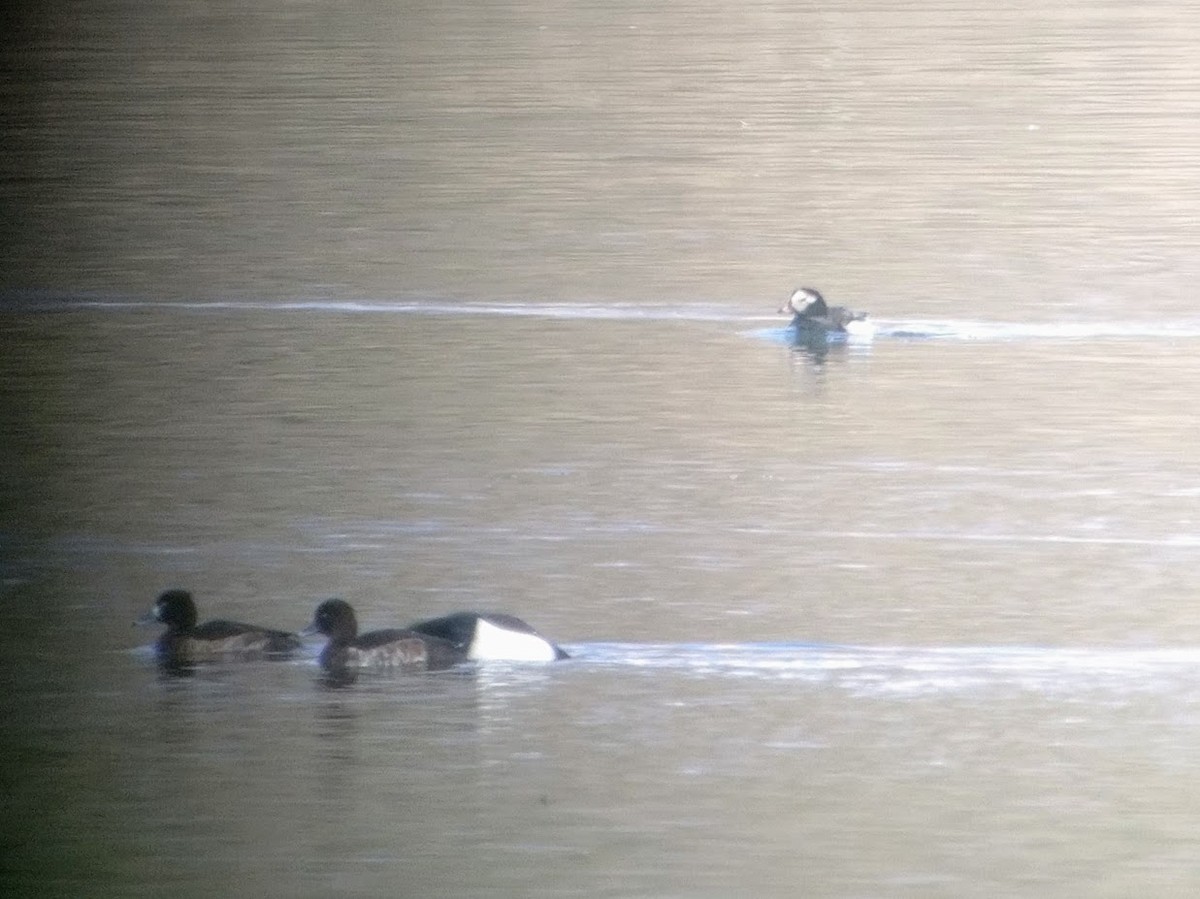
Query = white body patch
x=860 y=329
x=492 y=642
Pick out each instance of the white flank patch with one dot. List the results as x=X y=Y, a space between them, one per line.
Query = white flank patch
x=860 y=329
x=494 y=643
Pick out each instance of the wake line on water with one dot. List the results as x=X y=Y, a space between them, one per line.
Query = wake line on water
x=387 y=537
x=902 y=670
x=1000 y=332
x=1185 y=541
x=630 y=311
x=885 y=329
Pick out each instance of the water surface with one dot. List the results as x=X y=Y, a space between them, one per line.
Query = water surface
x=437 y=308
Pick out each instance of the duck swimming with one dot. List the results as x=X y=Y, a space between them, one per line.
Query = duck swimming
x=185 y=642
x=402 y=648
x=430 y=645
x=811 y=314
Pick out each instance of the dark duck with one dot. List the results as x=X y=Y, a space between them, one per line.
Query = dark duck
x=394 y=648
x=429 y=645
x=185 y=642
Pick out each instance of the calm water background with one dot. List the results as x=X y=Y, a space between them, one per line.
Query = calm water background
x=437 y=307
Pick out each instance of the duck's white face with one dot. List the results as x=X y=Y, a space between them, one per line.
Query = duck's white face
x=800 y=301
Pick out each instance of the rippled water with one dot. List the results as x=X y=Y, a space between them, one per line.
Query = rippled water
x=438 y=308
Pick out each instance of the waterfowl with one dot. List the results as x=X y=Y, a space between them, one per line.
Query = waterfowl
x=402 y=648
x=811 y=313
x=185 y=642
x=491 y=637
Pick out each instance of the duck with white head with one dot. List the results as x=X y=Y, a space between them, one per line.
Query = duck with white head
x=812 y=315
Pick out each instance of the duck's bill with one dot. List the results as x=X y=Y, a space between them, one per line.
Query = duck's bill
x=143 y=620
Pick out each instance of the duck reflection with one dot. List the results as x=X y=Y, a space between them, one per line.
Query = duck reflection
x=813 y=346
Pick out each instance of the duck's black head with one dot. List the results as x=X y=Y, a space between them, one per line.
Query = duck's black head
x=806 y=302
x=334 y=619
x=175 y=609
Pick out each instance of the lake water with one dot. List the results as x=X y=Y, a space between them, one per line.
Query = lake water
x=438 y=307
